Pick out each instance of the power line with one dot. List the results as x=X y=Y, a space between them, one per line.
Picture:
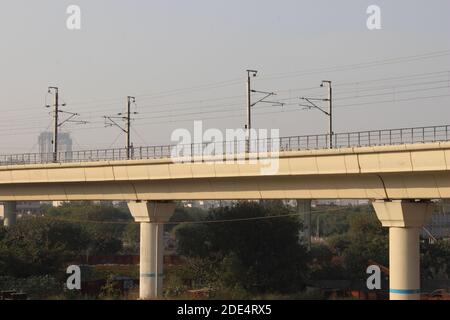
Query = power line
x=21 y=133
x=236 y=81
x=394 y=100
x=198 y=222
x=114 y=142
x=256 y=113
x=234 y=97
x=139 y=136
x=237 y=110
x=416 y=76
x=376 y=63
x=225 y=108
x=162 y=94
x=392 y=93
x=284 y=111
x=393 y=87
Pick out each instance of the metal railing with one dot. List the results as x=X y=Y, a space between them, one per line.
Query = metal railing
x=237 y=147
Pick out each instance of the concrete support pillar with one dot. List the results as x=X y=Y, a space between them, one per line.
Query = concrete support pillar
x=151 y=216
x=404 y=220
x=304 y=207
x=57 y=204
x=9 y=213
x=404 y=263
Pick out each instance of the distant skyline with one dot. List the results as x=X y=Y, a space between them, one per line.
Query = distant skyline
x=186 y=60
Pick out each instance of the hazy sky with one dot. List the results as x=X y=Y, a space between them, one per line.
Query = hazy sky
x=185 y=60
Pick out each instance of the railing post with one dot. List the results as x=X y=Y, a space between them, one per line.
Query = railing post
x=224 y=149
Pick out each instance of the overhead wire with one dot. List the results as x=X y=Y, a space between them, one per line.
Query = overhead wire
x=220 y=108
x=375 y=63
x=237 y=81
x=198 y=221
x=170 y=112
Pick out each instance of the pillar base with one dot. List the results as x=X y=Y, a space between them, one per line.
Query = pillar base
x=9 y=213
x=404 y=257
x=404 y=220
x=151 y=211
x=304 y=207
x=152 y=216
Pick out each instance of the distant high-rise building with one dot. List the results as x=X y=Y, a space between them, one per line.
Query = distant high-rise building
x=45 y=141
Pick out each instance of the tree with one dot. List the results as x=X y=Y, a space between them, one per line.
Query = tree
x=101 y=243
x=193 y=240
x=365 y=240
x=131 y=238
x=262 y=255
x=183 y=214
x=337 y=222
x=111 y=290
x=435 y=260
x=324 y=265
x=37 y=246
x=104 y=225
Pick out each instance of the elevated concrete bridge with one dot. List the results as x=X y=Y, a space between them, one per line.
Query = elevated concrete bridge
x=399 y=170
x=413 y=171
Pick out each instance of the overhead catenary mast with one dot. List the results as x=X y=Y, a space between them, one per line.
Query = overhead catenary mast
x=56 y=123
x=328 y=113
x=250 y=104
x=109 y=121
